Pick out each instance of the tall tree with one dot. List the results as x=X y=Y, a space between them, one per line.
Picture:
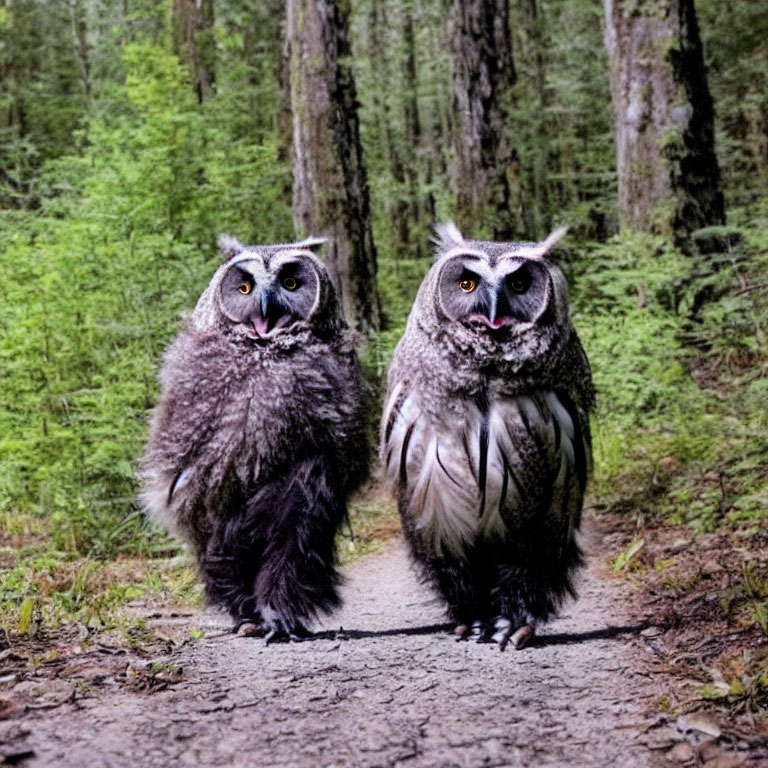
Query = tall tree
x=79 y=26
x=734 y=36
x=667 y=169
x=483 y=77
x=379 y=50
x=42 y=94
x=194 y=43
x=330 y=189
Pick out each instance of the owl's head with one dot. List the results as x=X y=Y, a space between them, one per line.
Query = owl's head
x=492 y=302
x=497 y=289
x=263 y=291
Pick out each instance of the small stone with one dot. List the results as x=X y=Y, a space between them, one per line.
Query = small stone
x=700 y=723
x=711 y=567
x=709 y=751
x=521 y=636
x=679 y=545
x=725 y=761
x=249 y=629
x=682 y=752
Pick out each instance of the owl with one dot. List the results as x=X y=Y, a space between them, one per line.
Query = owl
x=485 y=434
x=259 y=437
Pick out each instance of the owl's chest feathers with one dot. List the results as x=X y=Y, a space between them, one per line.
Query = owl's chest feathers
x=264 y=407
x=478 y=469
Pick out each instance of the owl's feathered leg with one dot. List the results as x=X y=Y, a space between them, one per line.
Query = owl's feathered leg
x=299 y=514
x=528 y=593
x=273 y=565
x=229 y=566
x=464 y=584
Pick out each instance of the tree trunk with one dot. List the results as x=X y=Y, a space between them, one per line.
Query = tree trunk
x=483 y=76
x=379 y=52
x=669 y=180
x=330 y=190
x=194 y=43
x=80 y=45
x=412 y=145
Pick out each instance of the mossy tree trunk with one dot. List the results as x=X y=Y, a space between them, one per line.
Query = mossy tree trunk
x=669 y=180
x=194 y=43
x=330 y=189
x=483 y=77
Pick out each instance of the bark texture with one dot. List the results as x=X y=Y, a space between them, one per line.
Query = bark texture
x=483 y=76
x=330 y=189
x=194 y=43
x=668 y=174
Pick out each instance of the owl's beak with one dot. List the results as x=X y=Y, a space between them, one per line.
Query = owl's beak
x=499 y=311
x=269 y=313
x=261 y=318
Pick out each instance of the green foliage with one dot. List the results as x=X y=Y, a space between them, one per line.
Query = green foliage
x=734 y=36
x=679 y=360
x=93 y=286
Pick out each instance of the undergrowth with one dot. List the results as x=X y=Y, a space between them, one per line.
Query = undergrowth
x=678 y=348
x=679 y=357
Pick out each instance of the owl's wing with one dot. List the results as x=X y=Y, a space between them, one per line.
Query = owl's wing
x=182 y=423
x=546 y=446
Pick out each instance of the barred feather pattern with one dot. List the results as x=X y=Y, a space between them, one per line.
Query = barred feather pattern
x=488 y=474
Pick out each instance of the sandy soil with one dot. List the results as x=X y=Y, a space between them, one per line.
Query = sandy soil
x=394 y=689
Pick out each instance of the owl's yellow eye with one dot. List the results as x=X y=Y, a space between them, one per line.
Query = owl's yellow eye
x=290 y=283
x=518 y=286
x=245 y=288
x=467 y=286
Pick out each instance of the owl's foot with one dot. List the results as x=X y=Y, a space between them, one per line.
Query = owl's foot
x=504 y=633
x=500 y=631
x=279 y=631
x=250 y=629
x=273 y=631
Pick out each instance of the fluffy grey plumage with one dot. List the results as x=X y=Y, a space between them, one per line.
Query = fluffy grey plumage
x=259 y=435
x=485 y=433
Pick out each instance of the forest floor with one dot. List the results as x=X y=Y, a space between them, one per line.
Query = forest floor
x=615 y=681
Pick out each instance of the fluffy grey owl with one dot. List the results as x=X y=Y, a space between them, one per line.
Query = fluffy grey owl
x=485 y=434
x=259 y=436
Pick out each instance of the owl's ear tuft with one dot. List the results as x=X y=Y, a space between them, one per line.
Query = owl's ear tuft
x=230 y=246
x=311 y=243
x=539 y=250
x=553 y=239
x=446 y=237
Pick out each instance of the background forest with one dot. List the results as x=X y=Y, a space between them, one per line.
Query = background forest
x=134 y=132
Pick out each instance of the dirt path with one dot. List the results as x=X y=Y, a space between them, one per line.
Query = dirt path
x=391 y=694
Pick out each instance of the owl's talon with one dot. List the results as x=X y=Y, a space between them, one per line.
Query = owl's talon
x=249 y=629
x=502 y=630
x=521 y=636
x=281 y=632
x=462 y=632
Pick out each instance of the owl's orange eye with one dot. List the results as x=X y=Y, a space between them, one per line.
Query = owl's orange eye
x=518 y=286
x=467 y=286
x=290 y=283
x=245 y=288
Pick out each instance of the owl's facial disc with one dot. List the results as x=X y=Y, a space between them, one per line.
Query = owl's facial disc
x=513 y=298
x=493 y=296
x=265 y=297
